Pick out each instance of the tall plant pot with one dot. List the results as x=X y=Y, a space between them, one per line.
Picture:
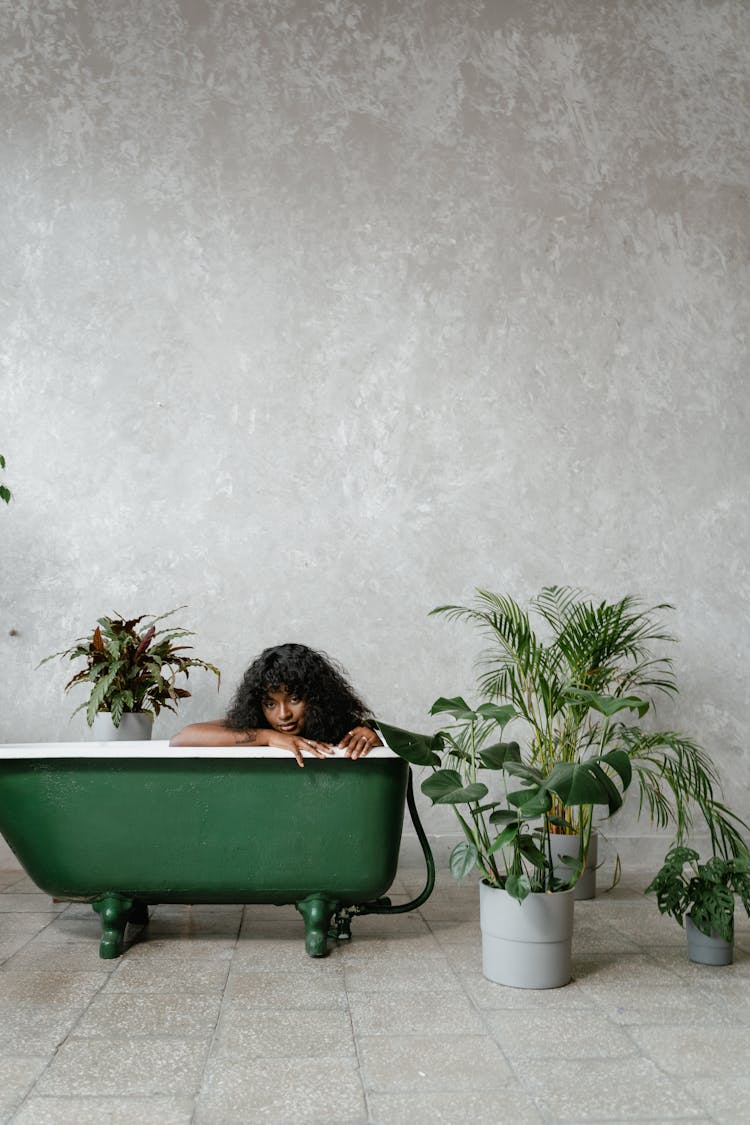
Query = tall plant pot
x=526 y=944
x=135 y=726
x=707 y=949
x=560 y=845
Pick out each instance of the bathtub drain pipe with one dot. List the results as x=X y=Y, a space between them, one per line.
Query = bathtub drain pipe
x=342 y=919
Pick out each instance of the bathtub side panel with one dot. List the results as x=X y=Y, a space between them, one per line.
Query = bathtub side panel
x=196 y=830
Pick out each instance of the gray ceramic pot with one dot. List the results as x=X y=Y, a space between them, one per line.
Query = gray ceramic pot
x=707 y=949
x=135 y=726
x=526 y=944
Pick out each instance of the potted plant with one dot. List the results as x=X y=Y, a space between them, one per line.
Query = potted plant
x=582 y=676
x=526 y=910
x=132 y=668
x=5 y=492
x=703 y=895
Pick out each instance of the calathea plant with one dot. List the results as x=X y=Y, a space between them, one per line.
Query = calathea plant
x=132 y=668
x=506 y=807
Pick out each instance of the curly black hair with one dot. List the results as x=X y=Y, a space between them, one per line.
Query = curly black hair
x=331 y=706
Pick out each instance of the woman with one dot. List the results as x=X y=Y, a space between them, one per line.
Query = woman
x=295 y=699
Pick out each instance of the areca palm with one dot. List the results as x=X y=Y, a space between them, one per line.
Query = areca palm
x=572 y=668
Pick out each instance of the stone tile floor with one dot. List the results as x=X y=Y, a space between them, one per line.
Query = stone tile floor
x=216 y=1015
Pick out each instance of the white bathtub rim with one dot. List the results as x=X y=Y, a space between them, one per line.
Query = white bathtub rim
x=161 y=749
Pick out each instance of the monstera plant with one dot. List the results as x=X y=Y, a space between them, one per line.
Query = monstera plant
x=582 y=675
x=506 y=807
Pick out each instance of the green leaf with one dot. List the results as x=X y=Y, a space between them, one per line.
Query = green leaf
x=457 y=707
x=519 y=769
x=531 y=852
x=445 y=787
x=463 y=859
x=118 y=707
x=607 y=705
x=575 y=784
x=518 y=886
x=503 y=816
x=501 y=713
x=535 y=804
x=419 y=749
x=620 y=762
x=99 y=694
x=496 y=756
x=4 y=493
x=506 y=837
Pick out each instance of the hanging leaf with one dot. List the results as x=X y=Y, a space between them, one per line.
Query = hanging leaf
x=415 y=748
x=518 y=886
x=496 y=757
x=457 y=707
x=607 y=705
x=445 y=787
x=463 y=859
x=502 y=713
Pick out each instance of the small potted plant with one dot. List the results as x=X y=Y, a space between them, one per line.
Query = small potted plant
x=132 y=668
x=703 y=895
x=5 y=492
x=526 y=910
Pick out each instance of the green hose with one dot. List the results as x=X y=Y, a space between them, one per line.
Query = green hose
x=385 y=906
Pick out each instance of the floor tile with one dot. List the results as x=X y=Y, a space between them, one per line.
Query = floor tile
x=725 y=1099
x=131 y=1110
x=29 y=903
x=287 y=990
x=605 y=1089
x=39 y=1028
x=431 y=976
x=255 y=1033
x=694 y=1050
x=400 y=1063
x=109 y=1067
x=42 y=986
x=558 y=1035
x=48 y=957
x=132 y=1014
x=280 y=1090
x=17 y=1075
x=509 y=1106
x=193 y=974
x=387 y=1013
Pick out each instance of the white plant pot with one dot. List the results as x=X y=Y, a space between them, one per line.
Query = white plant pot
x=569 y=845
x=526 y=944
x=135 y=726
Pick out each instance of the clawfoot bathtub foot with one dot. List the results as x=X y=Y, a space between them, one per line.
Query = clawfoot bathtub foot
x=138 y=913
x=316 y=911
x=113 y=911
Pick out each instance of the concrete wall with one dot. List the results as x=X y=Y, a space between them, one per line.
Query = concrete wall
x=315 y=315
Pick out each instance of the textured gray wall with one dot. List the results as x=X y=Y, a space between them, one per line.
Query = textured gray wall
x=317 y=314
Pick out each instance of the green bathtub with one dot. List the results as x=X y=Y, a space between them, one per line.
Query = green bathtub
x=128 y=825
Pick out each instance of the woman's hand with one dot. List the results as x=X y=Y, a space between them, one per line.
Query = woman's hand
x=296 y=745
x=359 y=742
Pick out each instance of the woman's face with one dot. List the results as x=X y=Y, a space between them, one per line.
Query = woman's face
x=284 y=711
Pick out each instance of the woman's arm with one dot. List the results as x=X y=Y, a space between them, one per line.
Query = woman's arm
x=213 y=733
x=217 y=733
